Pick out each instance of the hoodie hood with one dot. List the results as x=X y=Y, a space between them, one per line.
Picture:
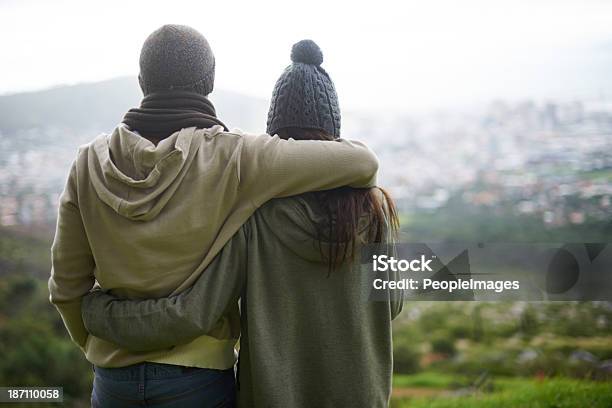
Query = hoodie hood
x=302 y=213
x=136 y=178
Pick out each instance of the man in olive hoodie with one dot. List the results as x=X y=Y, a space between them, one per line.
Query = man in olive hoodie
x=149 y=206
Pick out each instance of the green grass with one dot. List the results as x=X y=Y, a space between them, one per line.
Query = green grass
x=428 y=379
x=517 y=392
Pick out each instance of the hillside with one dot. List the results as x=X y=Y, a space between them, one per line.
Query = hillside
x=101 y=105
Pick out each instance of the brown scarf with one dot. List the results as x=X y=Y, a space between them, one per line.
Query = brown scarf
x=163 y=113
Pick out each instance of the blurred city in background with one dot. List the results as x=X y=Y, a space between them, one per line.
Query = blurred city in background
x=546 y=161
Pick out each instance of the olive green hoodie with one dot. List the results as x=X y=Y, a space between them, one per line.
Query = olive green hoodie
x=144 y=220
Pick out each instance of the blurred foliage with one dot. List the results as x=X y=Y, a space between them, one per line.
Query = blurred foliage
x=406 y=356
x=511 y=338
x=460 y=222
x=35 y=348
x=443 y=345
x=25 y=253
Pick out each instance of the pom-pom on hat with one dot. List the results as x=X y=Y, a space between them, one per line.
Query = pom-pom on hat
x=307 y=52
x=304 y=96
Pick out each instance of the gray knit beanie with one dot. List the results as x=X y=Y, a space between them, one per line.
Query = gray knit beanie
x=176 y=57
x=304 y=96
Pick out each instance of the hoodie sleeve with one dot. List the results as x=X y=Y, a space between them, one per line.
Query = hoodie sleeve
x=72 y=263
x=154 y=324
x=271 y=167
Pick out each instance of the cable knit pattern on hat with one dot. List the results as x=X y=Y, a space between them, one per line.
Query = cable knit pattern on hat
x=304 y=95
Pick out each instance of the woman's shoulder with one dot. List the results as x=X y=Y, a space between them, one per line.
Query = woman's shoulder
x=296 y=208
x=297 y=213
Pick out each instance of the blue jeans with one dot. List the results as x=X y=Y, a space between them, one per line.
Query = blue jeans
x=163 y=386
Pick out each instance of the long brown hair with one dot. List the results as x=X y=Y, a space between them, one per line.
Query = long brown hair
x=351 y=215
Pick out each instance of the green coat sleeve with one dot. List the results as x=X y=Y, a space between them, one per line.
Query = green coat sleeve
x=153 y=324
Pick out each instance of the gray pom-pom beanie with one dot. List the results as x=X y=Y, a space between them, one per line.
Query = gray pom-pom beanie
x=176 y=57
x=304 y=96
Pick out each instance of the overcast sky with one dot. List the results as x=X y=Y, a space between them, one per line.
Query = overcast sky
x=383 y=54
